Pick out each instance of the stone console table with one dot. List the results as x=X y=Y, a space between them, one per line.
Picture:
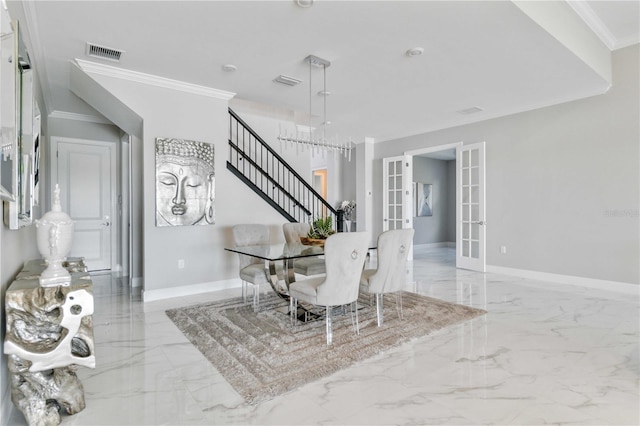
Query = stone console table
x=49 y=333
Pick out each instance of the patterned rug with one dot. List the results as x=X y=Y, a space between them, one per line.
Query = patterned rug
x=262 y=355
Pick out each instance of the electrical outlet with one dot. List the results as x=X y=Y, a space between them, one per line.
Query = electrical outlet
x=503 y=249
x=180 y=263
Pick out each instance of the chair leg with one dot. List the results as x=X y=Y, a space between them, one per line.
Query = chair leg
x=293 y=311
x=357 y=324
x=256 y=297
x=244 y=291
x=329 y=328
x=379 y=307
x=399 y=305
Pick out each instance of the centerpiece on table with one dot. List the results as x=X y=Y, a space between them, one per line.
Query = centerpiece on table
x=320 y=230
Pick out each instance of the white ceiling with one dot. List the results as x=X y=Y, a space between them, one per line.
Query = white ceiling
x=476 y=54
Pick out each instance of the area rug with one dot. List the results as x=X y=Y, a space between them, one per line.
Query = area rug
x=262 y=355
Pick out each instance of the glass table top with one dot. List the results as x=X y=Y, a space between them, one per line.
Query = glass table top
x=278 y=251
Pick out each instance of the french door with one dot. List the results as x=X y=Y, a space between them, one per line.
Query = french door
x=471 y=215
x=397 y=175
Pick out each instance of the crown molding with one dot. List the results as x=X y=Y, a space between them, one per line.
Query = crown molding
x=627 y=41
x=63 y=115
x=152 y=80
x=586 y=13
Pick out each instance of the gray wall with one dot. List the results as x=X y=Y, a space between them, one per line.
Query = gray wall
x=172 y=113
x=434 y=229
x=15 y=247
x=563 y=187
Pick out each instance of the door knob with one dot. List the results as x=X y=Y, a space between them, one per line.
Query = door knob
x=106 y=222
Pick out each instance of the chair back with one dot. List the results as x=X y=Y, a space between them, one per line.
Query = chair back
x=344 y=255
x=393 y=250
x=294 y=230
x=250 y=235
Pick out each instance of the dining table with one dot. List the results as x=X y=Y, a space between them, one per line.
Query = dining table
x=285 y=254
x=276 y=254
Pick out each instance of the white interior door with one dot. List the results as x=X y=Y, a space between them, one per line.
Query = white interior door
x=86 y=172
x=470 y=214
x=397 y=175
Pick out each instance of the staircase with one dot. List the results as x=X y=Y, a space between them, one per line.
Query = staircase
x=254 y=162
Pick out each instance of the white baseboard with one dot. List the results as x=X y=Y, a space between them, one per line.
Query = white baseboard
x=615 y=286
x=189 y=290
x=447 y=244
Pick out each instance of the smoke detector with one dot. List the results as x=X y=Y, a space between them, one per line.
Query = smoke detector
x=414 y=51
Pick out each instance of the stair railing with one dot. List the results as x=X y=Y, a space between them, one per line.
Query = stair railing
x=253 y=161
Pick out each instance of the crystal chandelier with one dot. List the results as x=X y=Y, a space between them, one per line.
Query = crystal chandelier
x=318 y=142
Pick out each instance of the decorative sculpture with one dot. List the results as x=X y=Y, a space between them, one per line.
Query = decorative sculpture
x=54 y=233
x=49 y=333
x=44 y=354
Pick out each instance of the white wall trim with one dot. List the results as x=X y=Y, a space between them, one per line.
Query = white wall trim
x=586 y=13
x=36 y=52
x=592 y=20
x=437 y=148
x=79 y=117
x=188 y=290
x=447 y=244
x=152 y=80
x=615 y=286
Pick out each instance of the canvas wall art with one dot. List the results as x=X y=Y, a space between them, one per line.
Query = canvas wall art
x=423 y=198
x=185 y=182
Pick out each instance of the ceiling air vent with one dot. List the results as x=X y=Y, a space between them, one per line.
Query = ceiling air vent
x=104 y=52
x=289 y=81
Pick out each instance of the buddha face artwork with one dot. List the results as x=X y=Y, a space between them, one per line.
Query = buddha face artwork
x=185 y=182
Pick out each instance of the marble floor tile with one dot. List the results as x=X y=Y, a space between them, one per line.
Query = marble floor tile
x=544 y=353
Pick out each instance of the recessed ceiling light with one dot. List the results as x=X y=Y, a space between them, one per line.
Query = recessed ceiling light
x=229 y=68
x=324 y=93
x=415 y=51
x=468 y=111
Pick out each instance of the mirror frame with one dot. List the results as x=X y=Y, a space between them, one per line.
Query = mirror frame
x=19 y=212
x=8 y=113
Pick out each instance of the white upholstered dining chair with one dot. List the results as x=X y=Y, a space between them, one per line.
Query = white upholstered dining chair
x=344 y=254
x=252 y=269
x=389 y=277
x=306 y=265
